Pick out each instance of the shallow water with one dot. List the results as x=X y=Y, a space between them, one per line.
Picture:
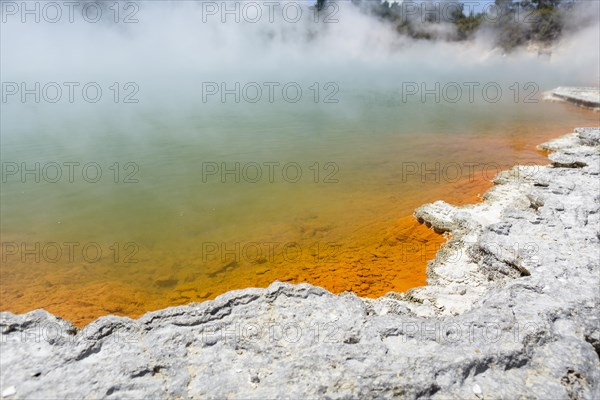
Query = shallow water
x=169 y=228
x=127 y=207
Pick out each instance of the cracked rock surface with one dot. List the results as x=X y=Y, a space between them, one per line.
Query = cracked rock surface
x=510 y=311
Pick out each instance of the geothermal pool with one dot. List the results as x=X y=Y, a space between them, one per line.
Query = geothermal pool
x=149 y=164
x=160 y=210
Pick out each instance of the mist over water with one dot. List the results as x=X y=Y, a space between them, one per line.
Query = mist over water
x=194 y=40
x=175 y=47
x=355 y=122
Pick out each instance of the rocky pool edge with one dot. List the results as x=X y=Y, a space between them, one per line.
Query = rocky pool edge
x=510 y=310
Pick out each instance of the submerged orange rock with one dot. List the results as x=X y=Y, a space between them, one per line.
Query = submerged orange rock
x=370 y=247
x=377 y=259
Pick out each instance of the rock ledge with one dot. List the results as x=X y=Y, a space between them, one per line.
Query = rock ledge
x=584 y=97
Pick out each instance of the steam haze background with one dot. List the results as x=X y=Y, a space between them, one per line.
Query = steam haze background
x=171 y=49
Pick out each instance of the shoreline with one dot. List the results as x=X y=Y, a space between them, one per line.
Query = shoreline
x=378 y=254
x=582 y=97
x=509 y=310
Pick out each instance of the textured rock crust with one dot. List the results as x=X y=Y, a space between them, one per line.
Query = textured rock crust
x=511 y=311
x=585 y=97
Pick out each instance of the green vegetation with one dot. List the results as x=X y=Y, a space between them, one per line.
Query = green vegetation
x=528 y=21
x=512 y=23
x=465 y=25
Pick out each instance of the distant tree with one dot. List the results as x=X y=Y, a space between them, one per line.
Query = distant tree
x=514 y=22
x=547 y=21
x=509 y=31
x=465 y=25
x=383 y=10
x=320 y=5
x=549 y=4
x=505 y=6
x=528 y=20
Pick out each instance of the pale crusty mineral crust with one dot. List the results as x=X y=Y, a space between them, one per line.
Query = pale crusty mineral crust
x=585 y=97
x=511 y=311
